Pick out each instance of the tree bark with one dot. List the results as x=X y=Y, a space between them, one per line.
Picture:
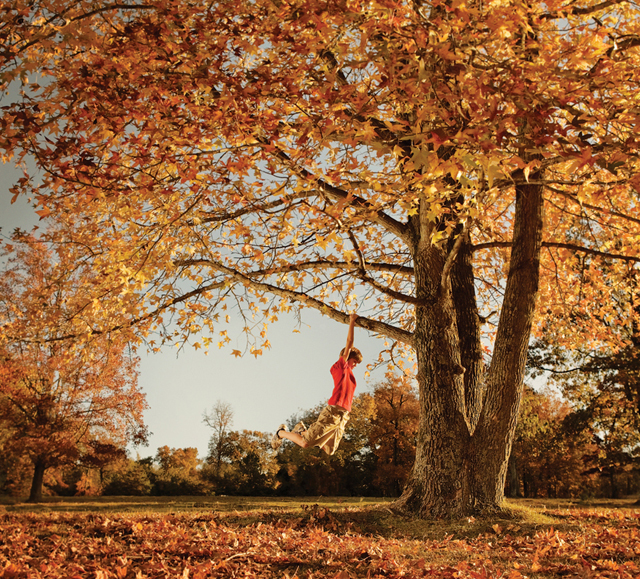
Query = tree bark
x=468 y=416
x=491 y=445
x=39 y=468
x=439 y=485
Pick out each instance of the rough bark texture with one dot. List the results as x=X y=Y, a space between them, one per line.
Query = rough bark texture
x=492 y=442
x=468 y=420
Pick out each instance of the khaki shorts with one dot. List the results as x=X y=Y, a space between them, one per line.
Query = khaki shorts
x=327 y=431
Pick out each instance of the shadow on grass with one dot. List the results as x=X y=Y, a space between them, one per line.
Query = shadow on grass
x=342 y=515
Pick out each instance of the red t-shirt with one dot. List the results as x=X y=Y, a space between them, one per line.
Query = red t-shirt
x=344 y=384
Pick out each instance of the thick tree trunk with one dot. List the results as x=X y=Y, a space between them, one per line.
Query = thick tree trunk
x=39 y=468
x=468 y=416
x=494 y=434
x=439 y=484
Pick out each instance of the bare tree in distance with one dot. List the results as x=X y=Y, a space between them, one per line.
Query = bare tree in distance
x=220 y=420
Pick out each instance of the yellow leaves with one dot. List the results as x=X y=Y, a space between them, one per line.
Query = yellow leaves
x=198 y=129
x=332 y=239
x=492 y=172
x=585 y=158
x=225 y=339
x=422 y=157
x=366 y=132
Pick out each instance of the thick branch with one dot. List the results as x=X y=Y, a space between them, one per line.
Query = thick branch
x=305 y=265
x=571 y=246
x=338 y=194
x=446 y=270
x=366 y=323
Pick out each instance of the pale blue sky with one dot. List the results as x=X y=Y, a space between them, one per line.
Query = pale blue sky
x=292 y=376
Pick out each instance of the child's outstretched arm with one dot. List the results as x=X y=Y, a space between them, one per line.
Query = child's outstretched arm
x=350 y=336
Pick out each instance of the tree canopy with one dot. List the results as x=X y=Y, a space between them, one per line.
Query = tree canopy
x=434 y=165
x=61 y=402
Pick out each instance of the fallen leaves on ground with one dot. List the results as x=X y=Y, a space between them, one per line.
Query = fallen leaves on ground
x=318 y=544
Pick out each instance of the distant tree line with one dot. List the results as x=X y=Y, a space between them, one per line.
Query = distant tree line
x=558 y=452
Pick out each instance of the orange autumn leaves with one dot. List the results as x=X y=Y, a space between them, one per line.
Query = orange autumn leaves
x=244 y=159
x=321 y=543
x=214 y=155
x=60 y=394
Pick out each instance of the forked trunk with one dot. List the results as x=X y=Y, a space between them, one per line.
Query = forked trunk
x=468 y=414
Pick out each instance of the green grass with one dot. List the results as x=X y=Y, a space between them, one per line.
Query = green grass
x=371 y=516
x=224 y=504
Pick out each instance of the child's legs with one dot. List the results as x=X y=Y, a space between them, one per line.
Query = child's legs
x=293 y=437
x=327 y=431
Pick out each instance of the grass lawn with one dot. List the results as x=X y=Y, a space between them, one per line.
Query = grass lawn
x=312 y=537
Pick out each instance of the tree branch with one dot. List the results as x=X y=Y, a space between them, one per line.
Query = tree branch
x=594 y=207
x=253 y=208
x=571 y=246
x=337 y=193
x=569 y=9
x=451 y=258
x=335 y=314
x=94 y=12
x=291 y=268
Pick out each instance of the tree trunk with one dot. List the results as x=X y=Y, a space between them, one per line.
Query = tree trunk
x=614 y=487
x=35 y=495
x=468 y=416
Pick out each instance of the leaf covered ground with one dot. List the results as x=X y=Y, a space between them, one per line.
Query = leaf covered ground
x=316 y=542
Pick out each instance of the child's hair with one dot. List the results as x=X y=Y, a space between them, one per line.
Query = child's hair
x=354 y=354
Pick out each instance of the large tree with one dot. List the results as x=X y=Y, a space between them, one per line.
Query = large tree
x=388 y=156
x=62 y=401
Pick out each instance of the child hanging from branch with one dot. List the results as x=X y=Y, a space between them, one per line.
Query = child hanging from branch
x=327 y=431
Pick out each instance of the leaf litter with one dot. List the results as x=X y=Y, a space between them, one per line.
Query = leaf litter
x=319 y=543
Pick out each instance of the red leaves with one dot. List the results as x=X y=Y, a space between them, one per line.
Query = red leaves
x=206 y=545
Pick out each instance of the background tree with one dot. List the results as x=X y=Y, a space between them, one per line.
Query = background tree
x=220 y=420
x=60 y=400
x=129 y=477
x=178 y=472
x=602 y=386
x=250 y=466
x=392 y=433
x=394 y=157
x=101 y=455
x=548 y=459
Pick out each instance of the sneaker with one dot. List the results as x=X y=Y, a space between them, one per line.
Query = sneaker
x=276 y=441
x=299 y=428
